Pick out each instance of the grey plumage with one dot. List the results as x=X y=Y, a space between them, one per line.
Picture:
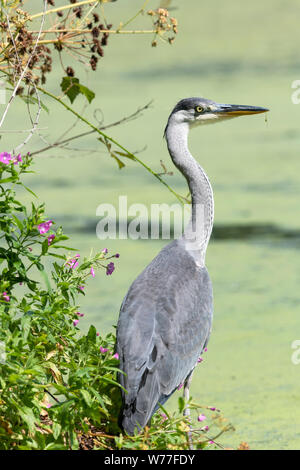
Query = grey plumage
x=166 y=317
x=165 y=328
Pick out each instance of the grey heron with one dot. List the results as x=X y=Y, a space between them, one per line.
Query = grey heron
x=166 y=316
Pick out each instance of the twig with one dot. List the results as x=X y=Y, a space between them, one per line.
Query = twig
x=83 y=134
x=113 y=141
x=26 y=66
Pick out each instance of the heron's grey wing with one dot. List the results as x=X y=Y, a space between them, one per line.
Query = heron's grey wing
x=164 y=323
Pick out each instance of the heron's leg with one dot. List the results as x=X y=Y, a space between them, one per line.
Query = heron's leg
x=187 y=411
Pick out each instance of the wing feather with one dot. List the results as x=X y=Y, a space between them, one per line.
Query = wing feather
x=164 y=324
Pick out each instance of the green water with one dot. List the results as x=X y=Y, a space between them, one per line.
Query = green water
x=234 y=52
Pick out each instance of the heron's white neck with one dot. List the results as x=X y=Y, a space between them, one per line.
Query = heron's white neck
x=197 y=233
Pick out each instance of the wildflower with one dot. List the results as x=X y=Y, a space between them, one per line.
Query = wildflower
x=80 y=314
x=200 y=360
x=212 y=408
x=205 y=428
x=5 y=297
x=201 y=417
x=92 y=272
x=205 y=349
x=97 y=334
x=211 y=442
x=110 y=269
x=103 y=350
x=5 y=158
x=80 y=288
x=73 y=263
x=117 y=255
x=164 y=416
x=75 y=322
x=50 y=239
x=116 y=356
x=179 y=386
x=44 y=227
x=17 y=159
x=104 y=251
x=48 y=405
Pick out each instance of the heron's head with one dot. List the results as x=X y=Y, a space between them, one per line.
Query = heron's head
x=195 y=111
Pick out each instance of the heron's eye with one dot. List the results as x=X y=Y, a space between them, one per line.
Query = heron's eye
x=199 y=109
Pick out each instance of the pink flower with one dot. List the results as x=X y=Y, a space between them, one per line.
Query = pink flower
x=48 y=405
x=80 y=288
x=164 y=416
x=179 y=386
x=103 y=350
x=200 y=360
x=50 y=239
x=104 y=251
x=17 y=159
x=80 y=314
x=211 y=442
x=73 y=263
x=44 y=227
x=201 y=417
x=75 y=322
x=205 y=428
x=5 y=158
x=116 y=356
x=97 y=334
x=205 y=349
x=110 y=269
x=92 y=272
x=5 y=297
x=212 y=408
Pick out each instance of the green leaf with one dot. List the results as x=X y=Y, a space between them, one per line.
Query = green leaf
x=56 y=428
x=87 y=398
x=181 y=404
x=72 y=88
x=119 y=162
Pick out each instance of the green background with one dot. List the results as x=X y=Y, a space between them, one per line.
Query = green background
x=231 y=52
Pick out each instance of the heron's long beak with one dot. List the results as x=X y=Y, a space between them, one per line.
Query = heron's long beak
x=238 y=110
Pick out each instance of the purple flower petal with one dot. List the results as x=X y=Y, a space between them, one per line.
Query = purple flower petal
x=110 y=269
x=5 y=158
x=44 y=227
x=50 y=239
x=201 y=417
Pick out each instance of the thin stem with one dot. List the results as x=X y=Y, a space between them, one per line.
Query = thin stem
x=136 y=15
x=85 y=31
x=65 y=7
x=26 y=66
x=106 y=137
